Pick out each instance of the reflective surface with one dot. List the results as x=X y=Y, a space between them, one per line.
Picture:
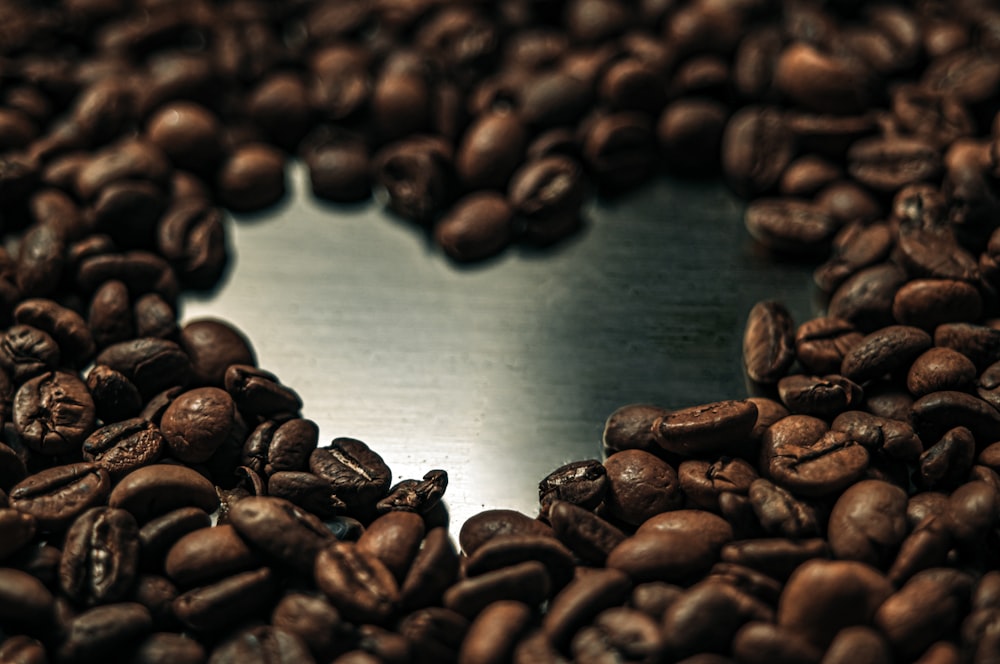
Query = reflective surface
x=501 y=371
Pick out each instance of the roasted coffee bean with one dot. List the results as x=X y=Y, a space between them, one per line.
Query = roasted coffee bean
x=689 y=132
x=510 y=550
x=339 y=171
x=357 y=474
x=154 y=317
x=925 y=547
x=57 y=495
x=801 y=454
x=885 y=352
x=212 y=346
x=587 y=535
x=768 y=349
x=306 y=490
x=26 y=351
x=262 y=645
x=927 y=303
x=159 y=534
x=490 y=150
x=939 y=118
x=100 y=556
x=40 y=260
x=618 y=150
x=940 y=369
x=790 y=226
x=394 y=539
x=280 y=529
x=889 y=163
x=823 y=597
x=418 y=175
x=822 y=343
x=110 y=314
x=780 y=513
x=553 y=98
x=702 y=482
x=757 y=146
x=433 y=569
x=865 y=299
x=937 y=412
x=259 y=392
x=187 y=133
x=582 y=483
x=22 y=650
x=476 y=227
x=526 y=582
x=710 y=428
x=820 y=396
x=484 y=526
x=163 y=647
x=197 y=423
x=415 y=496
x=152 y=491
x=777 y=558
x=208 y=554
x=688 y=629
x=252 y=177
x=143 y=271
x=640 y=485
x=663 y=556
x=191 y=237
x=654 y=598
x=632 y=427
x=124 y=446
x=856 y=246
x=821 y=82
x=491 y=637
x=152 y=365
x=103 y=629
x=357 y=583
x=979 y=343
x=868 y=523
x=925 y=609
x=129 y=159
x=313 y=619
x=226 y=603
x=965 y=75
x=972 y=510
x=54 y=413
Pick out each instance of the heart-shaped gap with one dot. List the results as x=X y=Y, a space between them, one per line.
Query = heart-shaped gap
x=498 y=372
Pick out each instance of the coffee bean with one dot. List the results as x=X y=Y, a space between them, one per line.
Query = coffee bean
x=972 y=510
x=979 y=343
x=965 y=75
x=415 y=496
x=714 y=427
x=582 y=483
x=856 y=246
x=358 y=584
x=822 y=343
x=868 y=523
x=208 y=554
x=263 y=645
x=617 y=149
x=190 y=235
x=702 y=482
x=928 y=303
x=212 y=345
x=26 y=351
x=865 y=299
x=197 y=423
x=767 y=342
x=340 y=171
x=64 y=325
x=159 y=534
x=22 y=650
x=936 y=413
x=433 y=569
x=252 y=177
x=100 y=556
x=887 y=164
x=357 y=474
x=763 y=642
x=187 y=133
x=925 y=547
x=129 y=159
x=821 y=82
x=490 y=150
x=492 y=635
x=417 y=173
x=756 y=148
x=259 y=392
x=633 y=500
x=780 y=513
x=124 y=446
x=280 y=529
x=40 y=260
x=790 y=226
x=663 y=556
x=477 y=226
x=587 y=535
x=526 y=582
x=110 y=314
x=885 y=352
x=936 y=117
x=152 y=491
x=164 y=647
x=802 y=455
x=313 y=619
x=705 y=618
x=823 y=597
x=394 y=539
x=150 y=364
x=824 y=396
x=689 y=132
x=923 y=610
x=111 y=628
x=226 y=603
x=553 y=98
x=57 y=495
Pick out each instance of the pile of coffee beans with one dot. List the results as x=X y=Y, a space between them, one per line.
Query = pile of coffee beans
x=163 y=500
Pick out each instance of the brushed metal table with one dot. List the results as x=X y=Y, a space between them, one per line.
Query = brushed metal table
x=500 y=371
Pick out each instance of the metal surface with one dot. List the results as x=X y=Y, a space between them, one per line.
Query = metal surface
x=498 y=372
